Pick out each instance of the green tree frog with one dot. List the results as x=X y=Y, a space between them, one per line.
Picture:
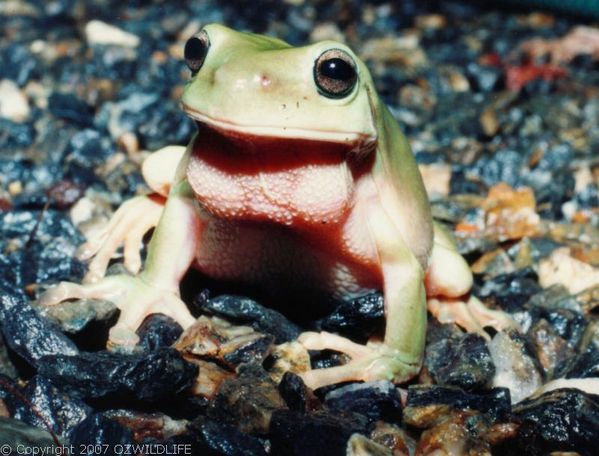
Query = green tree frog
x=299 y=179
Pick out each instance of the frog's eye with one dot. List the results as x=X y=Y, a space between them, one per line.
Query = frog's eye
x=196 y=50
x=335 y=73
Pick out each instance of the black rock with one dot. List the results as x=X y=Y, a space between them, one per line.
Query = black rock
x=68 y=107
x=30 y=335
x=357 y=318
x=585 y=364
x=561 y=420
x=552 y=351
x=254 y=350
x=14 y=136
x=85 y=152
x=146 y=376
x=247 y=401
x=460 y=361
x=157 y=121
x=157 y=331
x=510 y=291
x=375 y=400
x=484 y=78
x=504 y=166
x=313 y=434
x=246 y=311
x=42 y=405
x=217 y=438
x=495 y=402
x=18 y=63
x=97 y=429
x=552 y=195
x=38 y=260
x=297 y=395
x=569 y=324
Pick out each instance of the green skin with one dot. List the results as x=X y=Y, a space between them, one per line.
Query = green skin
x=280 y=182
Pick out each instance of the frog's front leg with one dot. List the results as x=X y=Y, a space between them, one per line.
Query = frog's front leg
x=134 y=218
x=398 y=358
x=156 y=289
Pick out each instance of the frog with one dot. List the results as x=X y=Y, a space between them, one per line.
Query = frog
x=298 y=178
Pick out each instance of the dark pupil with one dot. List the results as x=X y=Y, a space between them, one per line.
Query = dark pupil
x=337 y=69
x=195 y=49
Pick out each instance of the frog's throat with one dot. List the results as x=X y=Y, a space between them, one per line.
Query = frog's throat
x=357 y=140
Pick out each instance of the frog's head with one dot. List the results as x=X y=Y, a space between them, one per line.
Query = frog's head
x=280 y=128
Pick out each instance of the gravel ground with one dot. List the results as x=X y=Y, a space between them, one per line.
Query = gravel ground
x=502 y=111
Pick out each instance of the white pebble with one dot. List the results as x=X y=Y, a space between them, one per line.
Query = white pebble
x=13 y=102
x=98 y=32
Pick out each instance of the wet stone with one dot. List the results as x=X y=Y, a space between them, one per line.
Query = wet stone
x=217 y=340
x=394 y=438
x=298 y=434
x=297 y=395
x=357 y=318
x=509 y=291
x=212 y=437
x=68 y=107
x=516 y=367
x=157 y=331
x=30 y=335
x=484 y=78
x=18 y=64
x=569 y=324
x=148 y=426
x=460 y=361
x=43 y=405
x=374 y=400
x=37 y=260
x=461 y=432
x=86 y=150
x=247 y=401
x=428 y=404
x=551 y=350
x=359 y=445
x=584 y=364
x=246 y=311
x=145 y=376
x=98 y=429
x=561 y=420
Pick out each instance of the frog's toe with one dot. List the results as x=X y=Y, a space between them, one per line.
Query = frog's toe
x=67 y=290
x=472 y=315
x=128 y=226
x=375 y=361
x=324 y=340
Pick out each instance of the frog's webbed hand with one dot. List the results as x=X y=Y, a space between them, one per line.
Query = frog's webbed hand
x=156 y=289
x=127 y=227
x=398 y=358
x=448 y=283
x=134 y=218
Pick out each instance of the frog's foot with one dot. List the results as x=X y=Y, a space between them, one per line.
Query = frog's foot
x=375 y=361
x=472 y=315
x=127 y=226
x=135 y=298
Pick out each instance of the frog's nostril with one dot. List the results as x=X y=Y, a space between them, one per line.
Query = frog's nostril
x=265 y=81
